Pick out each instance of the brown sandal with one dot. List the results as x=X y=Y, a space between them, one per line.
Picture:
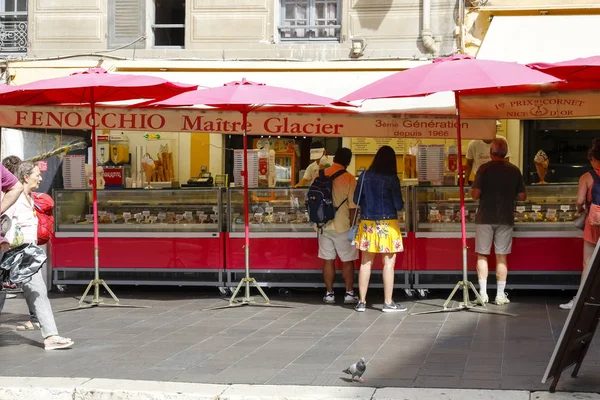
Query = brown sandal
x=29 y=326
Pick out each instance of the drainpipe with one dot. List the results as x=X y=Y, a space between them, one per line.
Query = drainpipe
x=432 y=44
x=462 y=35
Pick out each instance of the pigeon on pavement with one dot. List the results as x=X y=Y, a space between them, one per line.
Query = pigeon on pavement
x=356 y=369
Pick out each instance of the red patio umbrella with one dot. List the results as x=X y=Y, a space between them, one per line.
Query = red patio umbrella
x=93 y=86
x=460 y=74
x=579 y=69
x=245 y=96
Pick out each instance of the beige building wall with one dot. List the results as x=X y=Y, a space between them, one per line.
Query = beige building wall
x=242 y=29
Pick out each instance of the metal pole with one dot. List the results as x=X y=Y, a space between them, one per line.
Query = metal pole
x=95 y=201
x=247 y=280
x=246 y=209
x=464 y=284
x=96 y=282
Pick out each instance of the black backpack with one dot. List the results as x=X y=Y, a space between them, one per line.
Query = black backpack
x=319 y=199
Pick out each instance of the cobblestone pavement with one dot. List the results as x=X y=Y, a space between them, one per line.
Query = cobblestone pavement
x=310 y=344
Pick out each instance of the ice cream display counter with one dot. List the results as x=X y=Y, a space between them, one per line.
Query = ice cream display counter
x=166 y=237
x=547 y=247
x=196 y=237
x=283 y=243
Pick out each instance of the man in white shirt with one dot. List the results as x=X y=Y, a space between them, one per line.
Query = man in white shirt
x=318 y=156
x=478 y=153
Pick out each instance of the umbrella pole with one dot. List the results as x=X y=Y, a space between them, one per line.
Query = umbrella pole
x=464 y=284
x=96 y=282
x=247 y=280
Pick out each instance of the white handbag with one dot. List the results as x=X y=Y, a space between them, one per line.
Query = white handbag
x=11 y=231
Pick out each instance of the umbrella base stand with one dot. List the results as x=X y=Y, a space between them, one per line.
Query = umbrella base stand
x=466 y=304
x=96 y=300
x=247 y=300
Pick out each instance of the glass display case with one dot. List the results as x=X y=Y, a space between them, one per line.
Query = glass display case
x=270 y=210
x=127 y=211
x=547 y=208
x=437 y=209
x=279 y=210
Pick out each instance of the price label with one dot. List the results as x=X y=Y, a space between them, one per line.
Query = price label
x=153 y=218
x=162 y=215
x=199 y=213
x=215 y=209
x=188 y=214
x=434 y=212
x=551 y=213
x=466 y=213
x=449 y=213
x=146 y=213
x=536 y=208
x=565 y=208
x=127 y=215
x=170 y=214
x=269 y=210
x=89 y=216
x=137 y=215
x=521 y=209
x=179 y=217
x=258 y=214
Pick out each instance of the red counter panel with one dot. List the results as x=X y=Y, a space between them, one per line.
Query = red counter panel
x=274 y=253
x=279 y=253
x=192 y=253
x=528 y=254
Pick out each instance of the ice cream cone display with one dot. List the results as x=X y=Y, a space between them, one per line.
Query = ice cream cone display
x=541 y=162
x=163 y=167
x=149 y=167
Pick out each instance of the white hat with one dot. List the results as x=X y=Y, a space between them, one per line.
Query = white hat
x=316 y=154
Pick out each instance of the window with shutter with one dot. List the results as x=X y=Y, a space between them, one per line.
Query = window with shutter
x=126 y=21
x=310 y=20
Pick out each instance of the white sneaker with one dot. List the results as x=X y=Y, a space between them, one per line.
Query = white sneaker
x=502 y=300
x=569 y=305
x=350 y=298
x=484 y=297
x=329 y=298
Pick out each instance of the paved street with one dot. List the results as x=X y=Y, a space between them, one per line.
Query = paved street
x=174 y=340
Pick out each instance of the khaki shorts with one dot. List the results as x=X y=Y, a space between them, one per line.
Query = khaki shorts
x=500 y=235
x=332 y=243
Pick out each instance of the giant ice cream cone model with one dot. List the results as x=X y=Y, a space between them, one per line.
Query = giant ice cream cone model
x=148 y=166
x=541 y=162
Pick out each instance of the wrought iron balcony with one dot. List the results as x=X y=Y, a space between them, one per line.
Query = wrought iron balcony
x=13 y=32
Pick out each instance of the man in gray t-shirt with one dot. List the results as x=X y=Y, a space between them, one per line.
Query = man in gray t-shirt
x=497 y=185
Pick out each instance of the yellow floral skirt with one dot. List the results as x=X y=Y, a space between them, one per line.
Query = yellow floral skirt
x=381 y=236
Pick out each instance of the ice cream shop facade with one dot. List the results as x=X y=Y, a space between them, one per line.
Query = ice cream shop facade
x=198 y=230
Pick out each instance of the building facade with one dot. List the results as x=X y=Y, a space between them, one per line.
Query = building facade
x=230 y=29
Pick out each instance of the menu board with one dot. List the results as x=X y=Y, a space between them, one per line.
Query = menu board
x=371 y=145
x=400 y=145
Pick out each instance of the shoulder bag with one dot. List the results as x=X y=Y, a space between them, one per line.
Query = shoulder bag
x=354 y=228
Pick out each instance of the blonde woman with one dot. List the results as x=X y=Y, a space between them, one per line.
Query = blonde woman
x=24 y=215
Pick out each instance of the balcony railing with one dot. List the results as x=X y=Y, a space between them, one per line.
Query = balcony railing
x=13 y=32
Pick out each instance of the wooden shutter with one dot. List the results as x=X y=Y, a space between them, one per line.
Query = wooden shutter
x=126 y=21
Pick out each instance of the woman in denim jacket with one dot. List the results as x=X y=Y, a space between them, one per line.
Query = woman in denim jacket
x=379 y=230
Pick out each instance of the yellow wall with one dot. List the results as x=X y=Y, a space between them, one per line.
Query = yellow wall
x=199 y=153
x=365 y=160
